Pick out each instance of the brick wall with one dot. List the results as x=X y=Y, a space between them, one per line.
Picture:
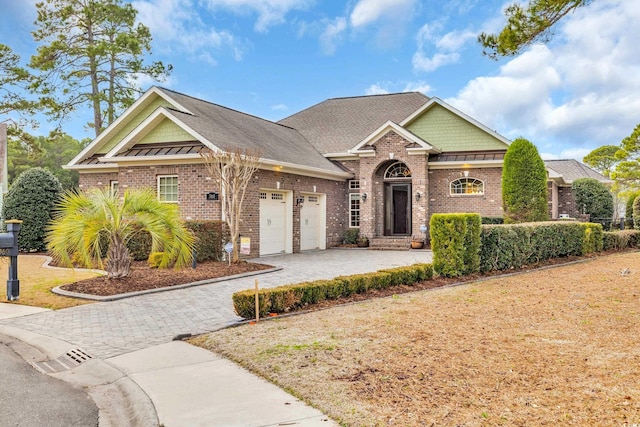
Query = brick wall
x=194 y=183
x=441 y=201
x=337 y=214
x=389 y=149
x=567 y=203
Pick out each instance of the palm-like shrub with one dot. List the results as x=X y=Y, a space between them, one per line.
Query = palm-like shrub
x=84 y=219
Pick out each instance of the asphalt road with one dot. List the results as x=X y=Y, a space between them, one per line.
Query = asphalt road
x=29 y=398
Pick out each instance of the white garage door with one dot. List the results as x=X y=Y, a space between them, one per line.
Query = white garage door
x=273 y=220
x=311 y=229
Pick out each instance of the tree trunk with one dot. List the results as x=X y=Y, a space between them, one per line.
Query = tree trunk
x=118 y=260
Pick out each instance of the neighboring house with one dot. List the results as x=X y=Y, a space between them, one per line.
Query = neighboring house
x=381 y=163
x=562 y=173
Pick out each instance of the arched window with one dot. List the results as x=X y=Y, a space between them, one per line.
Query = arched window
x=397 y=170
x=469 y=186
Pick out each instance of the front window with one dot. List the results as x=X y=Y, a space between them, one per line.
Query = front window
x=354 y=184
x=467 y=186
x=168 y=189
x=354 y=210
x=114 y=187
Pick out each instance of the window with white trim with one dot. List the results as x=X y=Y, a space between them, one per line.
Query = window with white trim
x=168 y=188
x=354 y=210
x=354 y=184
x=114 y=187
x=467 y=186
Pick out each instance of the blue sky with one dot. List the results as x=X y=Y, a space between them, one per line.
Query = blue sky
x=272 y=58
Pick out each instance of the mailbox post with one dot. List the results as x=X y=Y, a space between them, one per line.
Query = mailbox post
x=9 y=247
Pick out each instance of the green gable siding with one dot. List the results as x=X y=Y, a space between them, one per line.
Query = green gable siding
x=449 y=132
x=133 y=122
x=166 y=131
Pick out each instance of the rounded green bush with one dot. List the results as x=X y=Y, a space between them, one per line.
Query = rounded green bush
x=524 y=184
x=593 y=198
x=31 y=198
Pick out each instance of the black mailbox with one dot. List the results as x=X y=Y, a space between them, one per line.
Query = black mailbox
x=9 y=247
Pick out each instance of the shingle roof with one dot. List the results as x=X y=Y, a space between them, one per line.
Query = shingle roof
x=571 y=169
x=337 y=125
x=227 y=129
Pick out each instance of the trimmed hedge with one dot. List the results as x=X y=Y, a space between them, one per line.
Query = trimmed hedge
x=455 y=241
x=516 y=245
x=618 y=240
x=636 y=213
x=592 y=238
x=286 y=298
x=210 y=238
x=492 y=220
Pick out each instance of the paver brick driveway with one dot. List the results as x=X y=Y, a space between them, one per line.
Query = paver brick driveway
x=109 y=329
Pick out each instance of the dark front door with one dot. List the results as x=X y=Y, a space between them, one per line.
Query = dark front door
x=397 y=207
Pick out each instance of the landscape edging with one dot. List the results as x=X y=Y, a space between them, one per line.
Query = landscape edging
x=103 y=298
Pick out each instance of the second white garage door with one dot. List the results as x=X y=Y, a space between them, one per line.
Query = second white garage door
x=312 y=224
x=273 y=223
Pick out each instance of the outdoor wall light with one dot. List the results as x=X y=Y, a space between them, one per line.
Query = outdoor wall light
x=364 y=197
x=418 y=195
x=299 y=201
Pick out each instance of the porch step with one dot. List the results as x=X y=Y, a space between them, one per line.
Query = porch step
x=395 y=243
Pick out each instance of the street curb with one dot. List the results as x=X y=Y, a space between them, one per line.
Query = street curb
x=120 y=400
x=62 y=292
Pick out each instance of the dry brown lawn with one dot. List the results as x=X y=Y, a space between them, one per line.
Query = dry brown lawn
x=37 y=281
x=559 y=346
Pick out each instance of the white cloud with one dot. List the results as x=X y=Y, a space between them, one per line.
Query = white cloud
x=375 y=89
x=422 y=63
x=331 y=35
x=418 y=86
x=581 y=89
x=368 y=11
x=279 y=107
x=570 y=153
x=270 y=12
x=444 y=49
x=175 y=27
x=382 y=88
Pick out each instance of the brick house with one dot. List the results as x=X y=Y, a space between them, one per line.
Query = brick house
x=381 y=163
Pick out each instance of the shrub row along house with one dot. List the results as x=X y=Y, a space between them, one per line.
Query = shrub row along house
x=381 y=163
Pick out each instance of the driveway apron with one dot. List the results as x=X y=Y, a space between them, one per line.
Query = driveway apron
x=108 y=329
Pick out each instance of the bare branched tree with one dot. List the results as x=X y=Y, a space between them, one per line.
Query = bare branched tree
x=233 y=170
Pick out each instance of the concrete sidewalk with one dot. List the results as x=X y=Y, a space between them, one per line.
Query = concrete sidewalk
x=139 y=376
x=172 y=384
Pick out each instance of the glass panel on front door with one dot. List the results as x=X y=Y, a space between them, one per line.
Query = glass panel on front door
x=397 y=219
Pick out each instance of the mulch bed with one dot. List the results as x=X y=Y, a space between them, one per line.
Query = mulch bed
x=142 y=277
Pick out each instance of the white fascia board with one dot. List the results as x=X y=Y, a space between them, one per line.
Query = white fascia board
x=284 y=167
x=389 y=125
x=417 y=151
x=433 y=101
x=106 y=167
x=99 y=140
x=472 y=164
x=552 y=173
x=341 y=156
